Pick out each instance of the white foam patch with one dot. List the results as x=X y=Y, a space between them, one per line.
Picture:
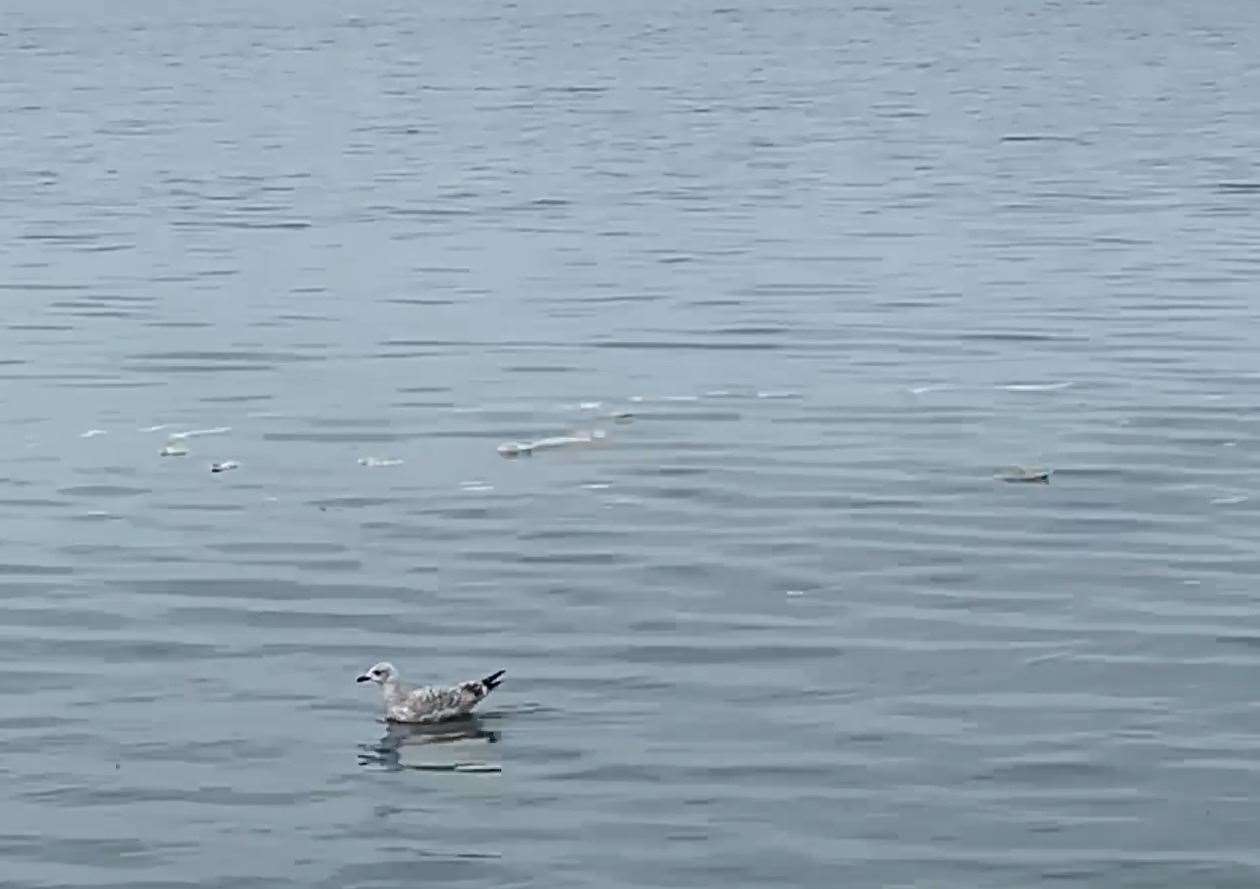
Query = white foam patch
x=379 y=462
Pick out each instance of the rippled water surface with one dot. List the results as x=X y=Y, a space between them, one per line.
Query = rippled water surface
x=782 y=626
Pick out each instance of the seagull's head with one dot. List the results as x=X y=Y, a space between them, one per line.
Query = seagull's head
x=380 y=674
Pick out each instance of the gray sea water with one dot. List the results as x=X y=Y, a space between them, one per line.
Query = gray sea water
x=841 y=262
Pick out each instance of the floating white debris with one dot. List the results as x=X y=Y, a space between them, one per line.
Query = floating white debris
x=377 y=462
x=175 y=447
x=590 y=405
x=795 y=594
x=597 y=486
x=92 y=433
x=525 y=448
x=157 y=428
x=475 y=487
x=225 y=466
x=1228 y=501
x=1023 y=474
x=778 y=394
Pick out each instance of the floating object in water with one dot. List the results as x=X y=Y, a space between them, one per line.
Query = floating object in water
x=224 y=466
x=175 y=447
x=621 y=417
x=92 y=433
x=404 y=703
x=1037 y=474
x=526 y=448
x=375 y=462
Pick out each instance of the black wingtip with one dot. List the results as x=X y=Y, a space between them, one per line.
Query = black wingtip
x=493 y=681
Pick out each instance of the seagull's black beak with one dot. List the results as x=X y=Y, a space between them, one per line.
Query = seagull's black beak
x=364 y=678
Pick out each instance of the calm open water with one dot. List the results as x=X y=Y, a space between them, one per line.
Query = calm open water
x=840 y=261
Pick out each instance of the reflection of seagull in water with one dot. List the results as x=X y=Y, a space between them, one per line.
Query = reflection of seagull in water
x=432 y=703
x=390 y=752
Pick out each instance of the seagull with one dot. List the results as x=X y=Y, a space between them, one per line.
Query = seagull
x=432 y=703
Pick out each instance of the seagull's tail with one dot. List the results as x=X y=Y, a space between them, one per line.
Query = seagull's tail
x=494 y=680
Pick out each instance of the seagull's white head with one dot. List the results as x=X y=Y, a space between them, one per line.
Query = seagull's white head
x=380 y=674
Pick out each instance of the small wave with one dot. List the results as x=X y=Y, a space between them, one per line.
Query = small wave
x=1037 y=387
x=526 y=448
x=192 y=433
x=639 y=399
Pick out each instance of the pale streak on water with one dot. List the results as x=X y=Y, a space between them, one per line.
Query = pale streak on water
x=785 y=628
